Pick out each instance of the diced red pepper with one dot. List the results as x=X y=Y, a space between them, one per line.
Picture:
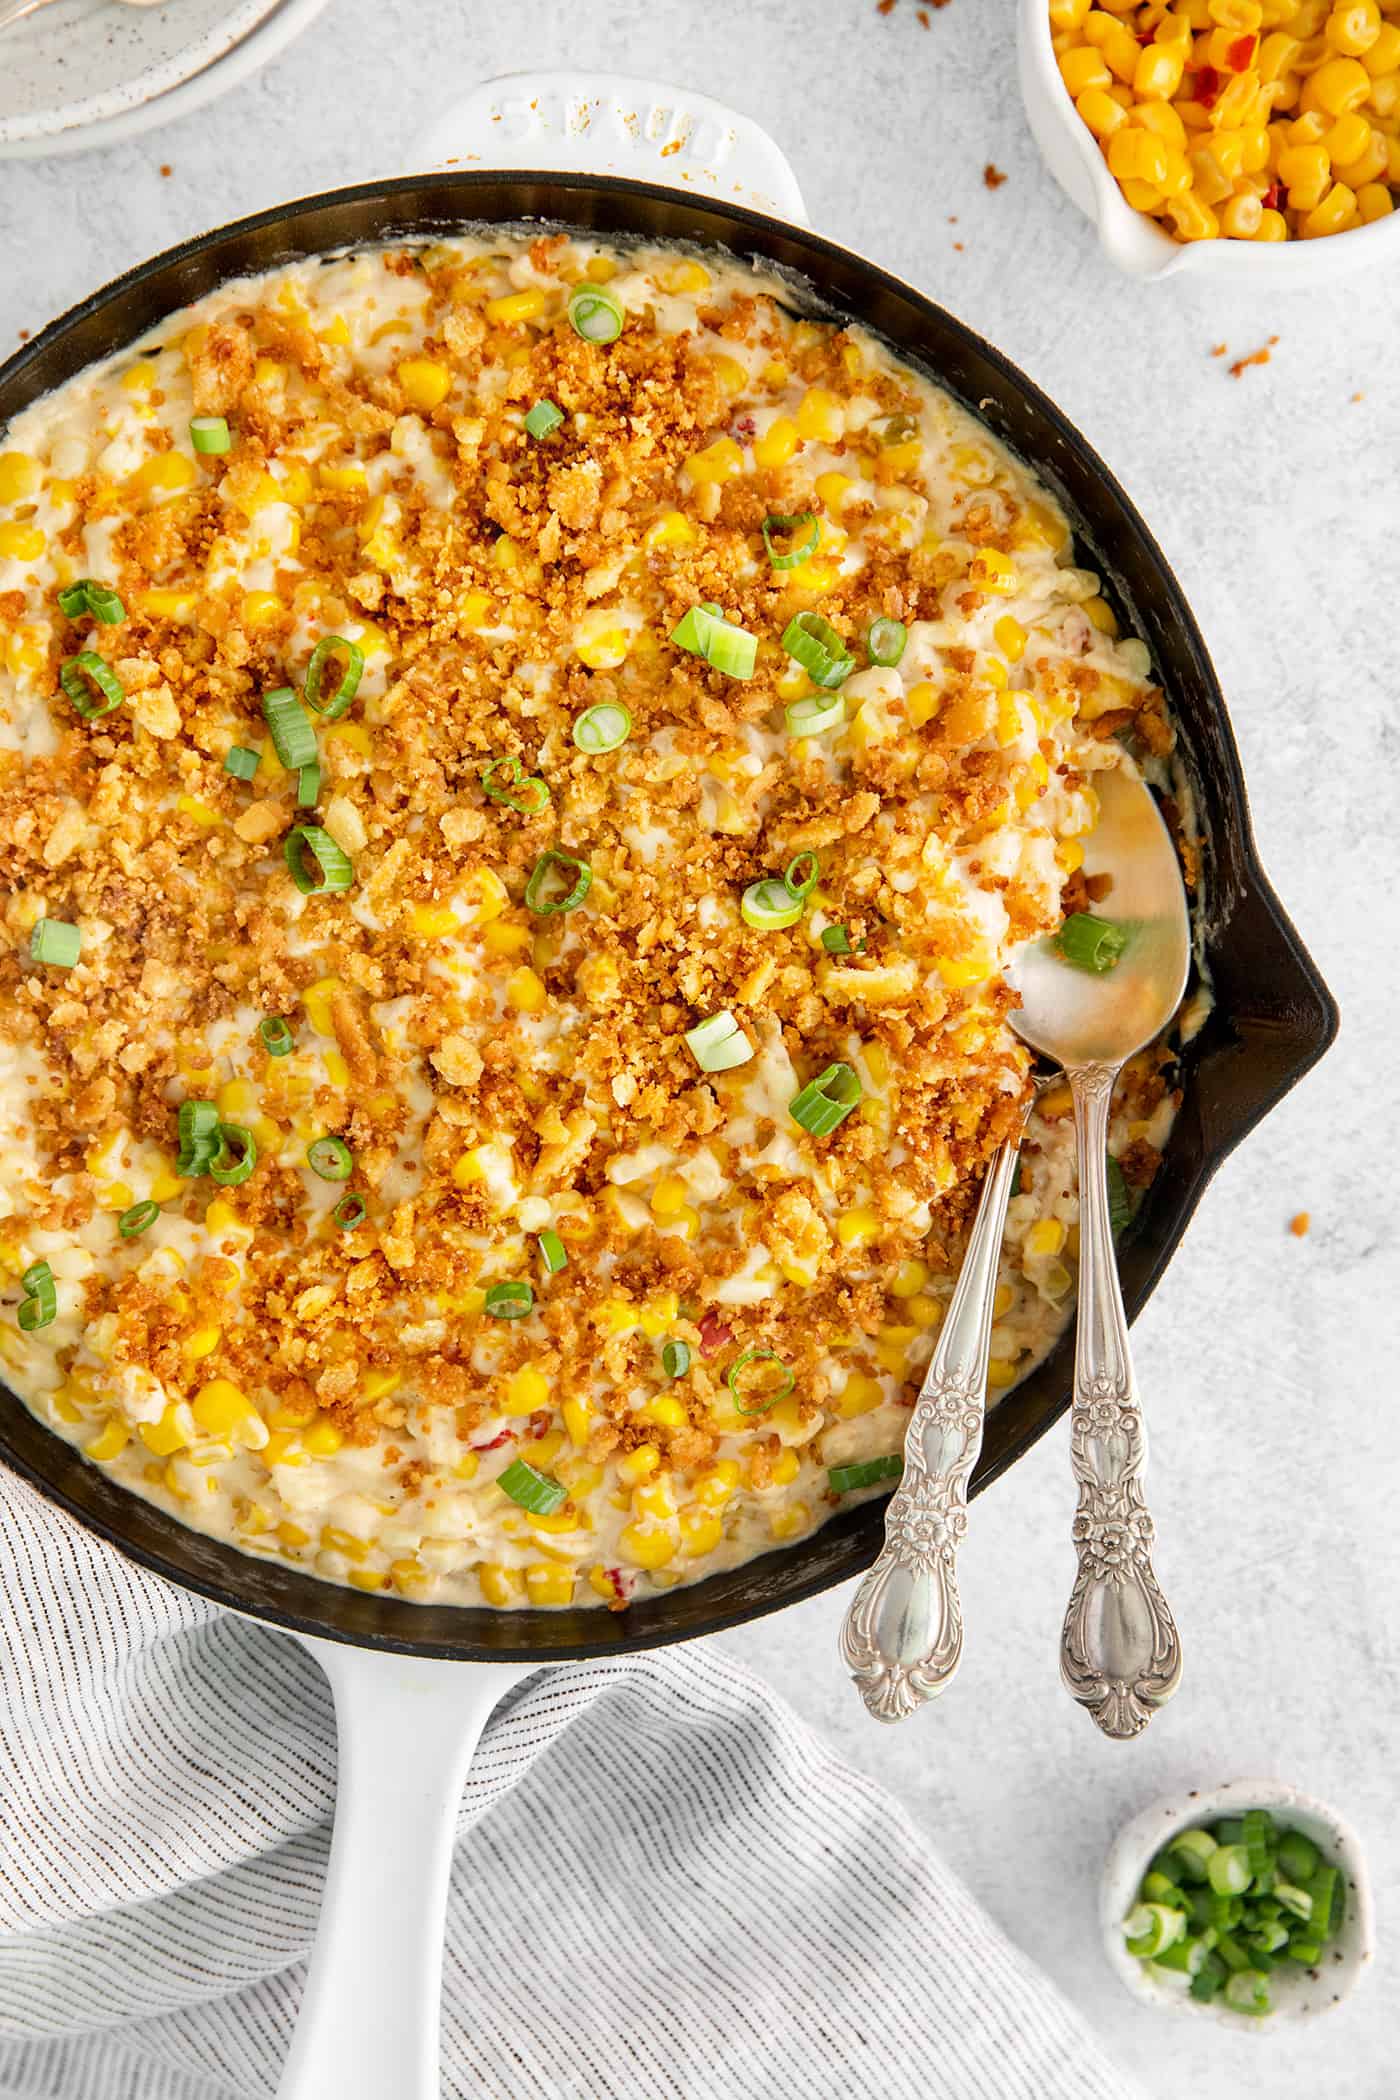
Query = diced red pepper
x=540 y=1422
x=1271 y=196
x=715 y=1333
x=1207 y=85
x=495 y=1444
x=1239 y=56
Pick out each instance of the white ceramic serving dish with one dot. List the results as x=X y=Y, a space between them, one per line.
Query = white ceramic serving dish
x=1299 y=1993
x=1135 y=243
x=160 y=63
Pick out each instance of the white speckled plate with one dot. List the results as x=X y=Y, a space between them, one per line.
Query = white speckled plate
x=77 y=62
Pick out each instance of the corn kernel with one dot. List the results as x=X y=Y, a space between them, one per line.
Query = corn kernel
x=549 y=1582
x=820 y=416
x=169 y=1434
x=659 y=1314
x=526 y=1390
x=1001 y=1372
x=719 y=461
x=1046 y=1236
x=425 y=382
x=923 y=1312
x=201 y=1341
x=21 y=542
x=672 y=529
x=323 y=1439
x=500 y=1586
x=602 y=646
x=857 y=1228
x=717 y=1483
x=859 y=1395
x=682 y=276
x=646 y=1546
x=514 y=308
x=790 y=1523
x=110 y=1441
x=1083 y=68
x=578 y=1420
x=164 y=474
x=525 y=990
x=283 y=1448
x=730 y=374
x=19 y=477
x=635 y=1466
x=991 y=570
x=701 y=1531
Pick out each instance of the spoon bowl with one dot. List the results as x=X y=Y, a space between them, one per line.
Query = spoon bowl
x=1078 y=1017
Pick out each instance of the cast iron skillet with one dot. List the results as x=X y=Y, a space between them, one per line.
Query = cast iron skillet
x=1273 y=1019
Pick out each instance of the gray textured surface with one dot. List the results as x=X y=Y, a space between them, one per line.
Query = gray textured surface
x=1264 y=1359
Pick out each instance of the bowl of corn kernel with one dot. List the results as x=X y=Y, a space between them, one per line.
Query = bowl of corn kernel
x=1222 y=135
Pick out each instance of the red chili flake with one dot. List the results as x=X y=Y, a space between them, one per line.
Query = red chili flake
x=621 y=1589
x=715 y=1333
x=1271 y=197
x=746 y=426
x=1147 y=36
x=496 y=1441
x=993 y=176
x=1207 y=84
x=539 y=1423
x=1239 y=56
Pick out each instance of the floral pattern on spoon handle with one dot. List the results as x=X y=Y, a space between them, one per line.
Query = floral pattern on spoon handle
x=1120 y=1654
x=903 y=1635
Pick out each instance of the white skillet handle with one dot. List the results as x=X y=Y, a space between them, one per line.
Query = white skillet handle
x=371 y=2016
x=603 y=124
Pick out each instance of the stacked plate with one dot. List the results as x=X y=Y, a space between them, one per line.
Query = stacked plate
x=81 y=73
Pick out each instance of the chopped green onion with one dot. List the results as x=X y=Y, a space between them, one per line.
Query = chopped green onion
x=1161 y=1888
x=1259 y=1838
x=703 y=631
x=276 y=1036
x=836 y=941
x=675 y=1359
x=55 y=941
x=1185 y=1955
x=198 y=1123
x=1228 y=1870
x=309 y=785
x=1016 y=1177
x=798 y=551
x=1294 y=1899
x=509 y=1301
x=1193 y=1848
x=801 y=876
x=1268 y=1936
x=1120 y=1212
x=897 y=429
x=141 y=1216
x=1230 y=1830
x=826 y=1100
x=1298 y=1857
x=79 y=674
x=40 y=1307
x=769 y=905
x=292 y=733
x=210 y=434
x=542 y=892
x=814 y=643
x=885 y=642
x=98 y=599
x=732 y=650
x=242 y=762
x=236 y=1157
x=1149 y=1928
x=335 y=868
x=1208 y=1980
x=544 y=417
x=865 y=1473
x=718 y=1043
x=1248 y=1992
x=532 y=1490
x=596 y=313
x=694 y=628
x=813 y=716
x=506 y=781
x=1092 y=944
x=1308 y=1952
x=553 y=1253
x=331 y=1158
x=602 y=728
x=333 y=705
x=755 y=1401
x=1325 y=1889
x=349 y=1212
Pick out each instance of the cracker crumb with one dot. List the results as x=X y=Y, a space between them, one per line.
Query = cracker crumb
x=993 y=176
x=1298 y=1224
x=1256 y=357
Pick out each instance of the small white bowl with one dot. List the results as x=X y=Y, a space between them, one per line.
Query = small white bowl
x=1136 y=243
x=1299 y=1993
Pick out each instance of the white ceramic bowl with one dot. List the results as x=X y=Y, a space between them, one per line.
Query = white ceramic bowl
x=1298 y=1993
x=1136 y=243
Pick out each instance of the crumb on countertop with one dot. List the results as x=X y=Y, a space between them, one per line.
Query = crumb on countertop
x=993 y=176
x=1298 y=1224
x=166 y=169
x=1219 y=349
x=1255 y=357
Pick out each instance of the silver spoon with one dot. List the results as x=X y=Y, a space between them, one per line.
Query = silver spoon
x=903 y=1636
x=16 y=10
x=1119 y=1651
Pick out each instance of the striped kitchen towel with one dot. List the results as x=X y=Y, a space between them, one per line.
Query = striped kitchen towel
x=665 y=1887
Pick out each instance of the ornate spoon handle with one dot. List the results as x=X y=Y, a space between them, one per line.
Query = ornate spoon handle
x=1119 y=1652
x=902 y=1640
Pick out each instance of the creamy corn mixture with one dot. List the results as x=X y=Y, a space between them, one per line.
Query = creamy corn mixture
x=339 y=1371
